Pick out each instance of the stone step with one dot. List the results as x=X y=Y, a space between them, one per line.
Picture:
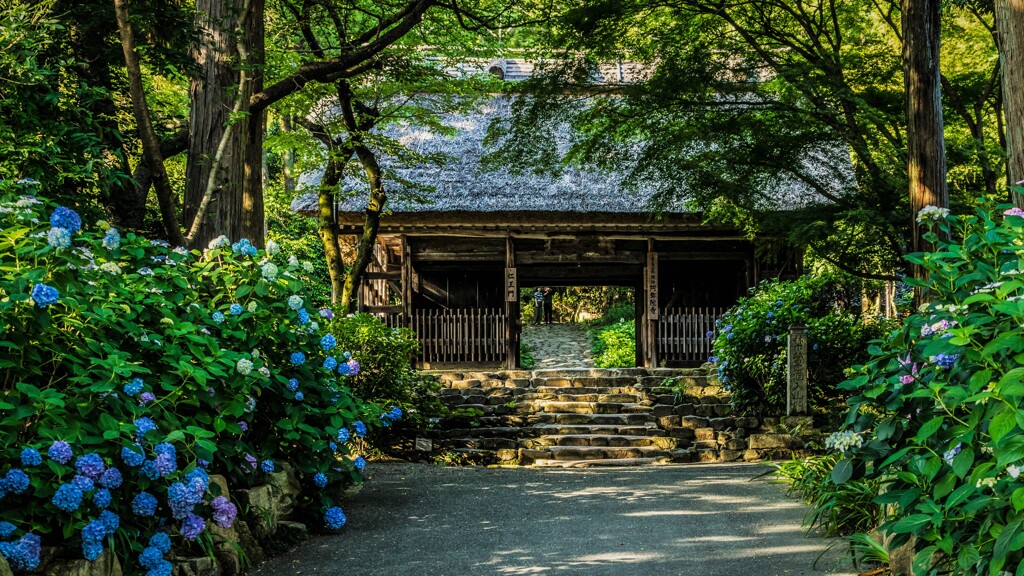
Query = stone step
x=548 y=463
x=611 y=429
x=482 y=443
x=592 y=397
x=582 y=390
x=606 y=440
x=485 y=432
x=584 y=381
x=591 y=407
x=591 y=419
x=604 y=452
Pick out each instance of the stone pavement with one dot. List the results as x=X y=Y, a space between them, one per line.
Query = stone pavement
x=558 y=345
x=709 y=520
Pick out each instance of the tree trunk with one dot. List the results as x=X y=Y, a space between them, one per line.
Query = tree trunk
x=329 y=225
x=1010 y=26
x=150 y=145
x=370 y=225
x=926 y=156
x=236 y=207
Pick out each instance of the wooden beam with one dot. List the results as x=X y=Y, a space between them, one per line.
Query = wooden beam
x=378 y=275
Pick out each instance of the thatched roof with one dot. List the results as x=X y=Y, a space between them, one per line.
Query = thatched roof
x=462 y=185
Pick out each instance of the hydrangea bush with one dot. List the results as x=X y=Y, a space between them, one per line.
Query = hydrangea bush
x=751 y=340
x=937 y=411
x=132 y=370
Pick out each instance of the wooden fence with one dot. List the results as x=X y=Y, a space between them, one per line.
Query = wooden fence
x=682 y=334
x=461 y=335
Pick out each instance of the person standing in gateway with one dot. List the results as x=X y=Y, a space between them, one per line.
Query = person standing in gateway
x=538 y=305
x=548 y=304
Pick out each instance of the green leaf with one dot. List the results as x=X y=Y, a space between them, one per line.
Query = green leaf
x=929 y=429
x=923 y=560
x=962 y=462
x=842 y=471
x=1001 y=425
x=910 y=523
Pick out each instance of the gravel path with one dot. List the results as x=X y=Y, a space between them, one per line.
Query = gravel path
x=700 y=520
x=558 y=345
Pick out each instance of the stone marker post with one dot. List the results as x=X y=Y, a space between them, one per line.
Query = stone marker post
x=796 y=371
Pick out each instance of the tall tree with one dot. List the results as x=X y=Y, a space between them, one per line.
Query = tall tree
x=1009 y=16
x=926 y=150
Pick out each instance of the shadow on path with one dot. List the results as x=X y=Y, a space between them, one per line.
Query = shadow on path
x=708 y=520
x=558 y=345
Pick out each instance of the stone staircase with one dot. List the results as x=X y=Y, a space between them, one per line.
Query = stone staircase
x=592 y=417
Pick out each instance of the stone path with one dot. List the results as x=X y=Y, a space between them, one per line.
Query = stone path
x=558 y=345
x=710 y=520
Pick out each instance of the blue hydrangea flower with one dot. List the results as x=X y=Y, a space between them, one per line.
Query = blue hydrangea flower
x=23 y=554
x=771 y=315
x=303 y=317
x=44 y=295
x=192 y=527
x=60 y=452
x=330 y=363
x=328 y=342
x=91 y=465
x=94 y=531
x=332 y=446
x=334 y=518
x=245 y=247
x=297 y=358
x=68 y=497
x=91 y=549
x=16 y=481
x=299 y=396
x=144 y=425
x=31 y=457
x=162 y=568
x=396 y=413
x=102 y=498
x=343 y=435
x=347 y=356
x=359 y=463
x=110 y=521
x=709 y=334
x=344 y=369
x=149 y=470
x=161 y=541
x=133 y=458
x=112 y=239
x=235 y=309
x=58 y=238
x=218 y=317
x=144 y=504
x=267 y=466
x=134 y=387
x=84 y=483
x=181 y=500
x=293 y=384
x=320 y=480
x=6 y=529
x=360 y=428
x=151 y=555
x=165 y=448
x=111 y=478
x=198 y=481
x=67 y=219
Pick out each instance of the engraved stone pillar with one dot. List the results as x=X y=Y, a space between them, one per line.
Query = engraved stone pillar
x=796 y=371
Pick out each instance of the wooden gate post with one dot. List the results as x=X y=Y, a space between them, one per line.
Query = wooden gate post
x=406 y=283
x=651 y=311
x=511 y=307
x=796 y=371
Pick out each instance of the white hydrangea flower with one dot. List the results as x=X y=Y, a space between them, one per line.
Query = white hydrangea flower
x=1013 y=470
x=843 y=440
x=293 y=261
x=307 y=266
x=251 y=307
x=273 y=248
x=110 y=268
x=295 y=302
x=932 y=214
x=986 y=483
x=244 y=366
x=221 y=241
x=265 y=371
x=269 y=271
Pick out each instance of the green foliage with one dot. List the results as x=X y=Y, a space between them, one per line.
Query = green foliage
x=230 y=369
x=526 y=359
x=386 y=373
x=837 y=510
x=937 y=410
x=751 y=339
x=614 y=346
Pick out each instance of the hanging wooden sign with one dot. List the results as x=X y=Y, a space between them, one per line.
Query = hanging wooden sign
x=652 y=286
x=511 y=285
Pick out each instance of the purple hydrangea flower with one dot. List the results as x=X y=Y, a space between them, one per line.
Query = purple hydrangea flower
x=326 y=313
x=165 y=464
x=243 y=425
x=224 y=512
x=251 y=460
x=146 y=398
x=192 y=526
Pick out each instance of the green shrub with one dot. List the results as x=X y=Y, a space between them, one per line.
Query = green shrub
x=615 y=346
x=126 y=349
x=837 y=510
x=750 y=346
x=937 y=411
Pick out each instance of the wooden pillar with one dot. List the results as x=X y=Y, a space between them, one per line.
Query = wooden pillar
x=651 y=310
x=406 y=283
x=638 y=311
x=512 y=322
